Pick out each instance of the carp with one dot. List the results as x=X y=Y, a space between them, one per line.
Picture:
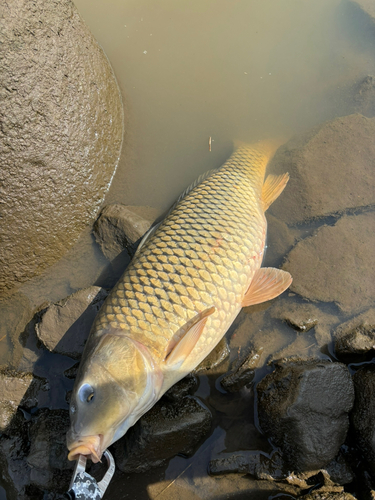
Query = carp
x=189 y=279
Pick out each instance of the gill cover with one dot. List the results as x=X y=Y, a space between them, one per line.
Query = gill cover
x=115 y=384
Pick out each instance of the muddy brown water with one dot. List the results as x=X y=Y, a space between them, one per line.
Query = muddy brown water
x=229 y=70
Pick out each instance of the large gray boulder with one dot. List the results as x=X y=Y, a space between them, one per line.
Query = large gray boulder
x=303 y=407
x=61 y=129
x=164 y=431
x=363 y=414
x=330 y=167
x=337 y=264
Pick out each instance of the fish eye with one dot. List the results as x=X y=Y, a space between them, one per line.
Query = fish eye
x=86 y=393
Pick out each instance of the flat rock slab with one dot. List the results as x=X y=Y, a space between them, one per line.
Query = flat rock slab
x=65 y=326
x=310 y=400
x=355 y=339
x=300 y=317
x=337 y=264
x=323 y=180
x=118 y=227
x=163 y=432
x=242 y=373
x=61 y=134
x=17 y=389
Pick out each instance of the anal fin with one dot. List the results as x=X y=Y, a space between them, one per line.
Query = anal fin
x=267 y=284
x=272 y=188
x=192 y=330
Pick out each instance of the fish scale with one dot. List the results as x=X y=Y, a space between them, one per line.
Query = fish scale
x=183 y=289
x=203 y=254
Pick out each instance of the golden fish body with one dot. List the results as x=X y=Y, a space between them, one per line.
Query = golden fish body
x=177 y=299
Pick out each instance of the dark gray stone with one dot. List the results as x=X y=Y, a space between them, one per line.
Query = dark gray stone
x=71 y=372
x=118 y=227
x=60 y=137
x=15 y=472
x=217 y=356
x=166 y=430
x=363 y=414
x=184 y=387
x=303 y=407
x=48 y=457
x=324 y=156
x=355 y=339
x=242 y=373
x=65 y=326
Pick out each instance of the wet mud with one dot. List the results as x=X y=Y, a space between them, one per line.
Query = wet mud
x=284 y=406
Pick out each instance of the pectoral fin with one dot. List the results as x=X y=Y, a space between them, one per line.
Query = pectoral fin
x=180 y=350
x=272 y=188
x=267 y=284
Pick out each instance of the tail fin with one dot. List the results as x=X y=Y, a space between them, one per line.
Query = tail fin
x=258 y=154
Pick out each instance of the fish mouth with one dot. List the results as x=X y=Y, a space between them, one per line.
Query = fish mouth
x=90 y=446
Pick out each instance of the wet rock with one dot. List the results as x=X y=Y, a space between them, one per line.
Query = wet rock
x=355 y=339
x=300 y=317
x=272 y=468
x=217 y=356
x=310 y=400
x=363 y=414
x=71 y=372
x=15 y=313
x=15 y=472
x=163 y=432
x=61 y=134
x=254 y=463
x=65 y=326
x=119 y=227
x=323 y=157
x=337 y=264
x=17 y=389
x=47 y=458
x=364 y=96
x=184 y=387
x=329 y=495
x=242 y=373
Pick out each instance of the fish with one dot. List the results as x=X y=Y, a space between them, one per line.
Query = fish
x=190 y=277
